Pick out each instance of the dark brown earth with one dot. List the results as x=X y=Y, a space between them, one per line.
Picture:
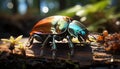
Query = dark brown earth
x=84 y=57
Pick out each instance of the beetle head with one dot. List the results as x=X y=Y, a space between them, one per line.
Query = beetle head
x=77 y=29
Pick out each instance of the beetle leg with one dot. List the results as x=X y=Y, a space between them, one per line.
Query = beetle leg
x=30 y=41
x=70 y=45
x=43 y=44
x=31 y=38
x=81 y=38
x=83 y=43
x=54 y=47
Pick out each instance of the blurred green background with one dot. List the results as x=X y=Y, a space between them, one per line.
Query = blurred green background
x=17 y=17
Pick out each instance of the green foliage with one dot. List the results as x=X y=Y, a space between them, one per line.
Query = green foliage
x=92 y=8
x=71 y=11
x=96 y=15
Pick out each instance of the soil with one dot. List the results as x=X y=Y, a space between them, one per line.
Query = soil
x=85 y=57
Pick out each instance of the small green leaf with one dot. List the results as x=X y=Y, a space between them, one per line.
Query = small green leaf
x=5 y=40
x=19 y=38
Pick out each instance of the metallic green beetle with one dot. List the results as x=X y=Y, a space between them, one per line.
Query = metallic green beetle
x=56 y=28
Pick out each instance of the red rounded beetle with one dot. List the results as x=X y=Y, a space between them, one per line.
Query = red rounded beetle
x=56 y=28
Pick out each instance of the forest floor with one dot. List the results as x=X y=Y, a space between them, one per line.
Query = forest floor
x=84 y=57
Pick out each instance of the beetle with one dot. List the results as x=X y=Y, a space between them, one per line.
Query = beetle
x=56 y=28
